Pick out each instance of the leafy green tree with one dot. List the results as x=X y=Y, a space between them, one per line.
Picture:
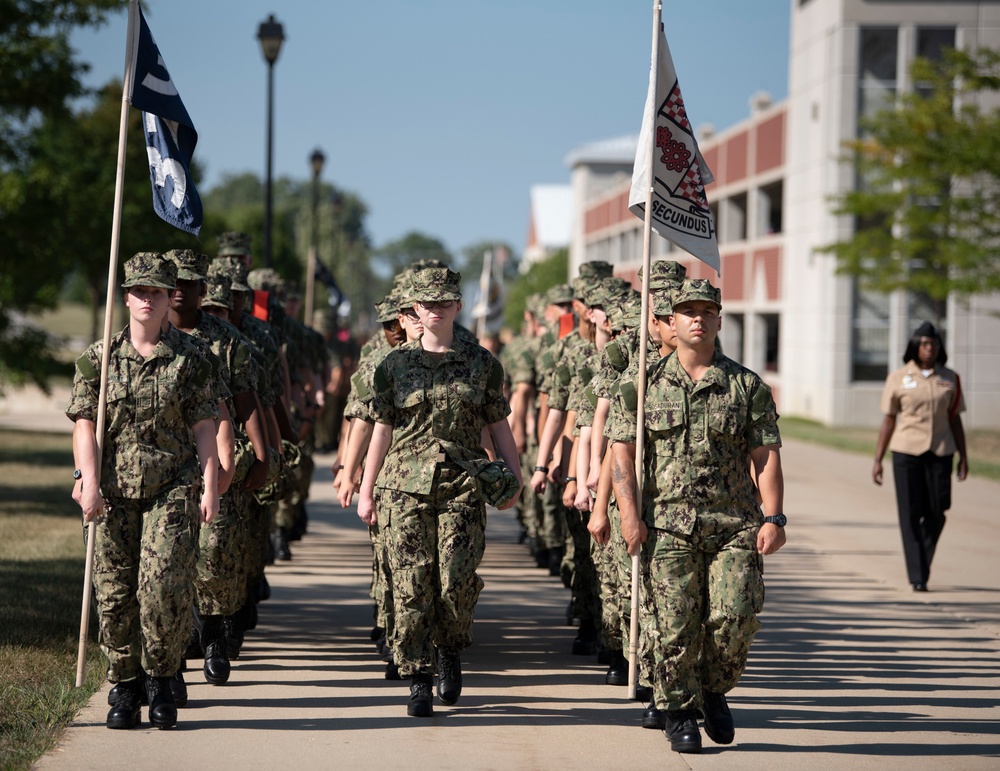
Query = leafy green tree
x=927 y=206
x=540 y=276
x=39 y=77
x=76 y=164
x=396 y=255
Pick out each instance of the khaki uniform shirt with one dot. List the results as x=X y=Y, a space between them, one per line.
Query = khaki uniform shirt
x=923 y=406
x=432 y=403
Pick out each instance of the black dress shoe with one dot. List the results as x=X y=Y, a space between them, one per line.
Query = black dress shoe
x=179 y=689
x=449 y=676
x=653 y=718
x=126 y=712
x=718 y=719
x=919 y=586
x=682 y=731
x=162 y=710
x=421 y=703
x=618 y=671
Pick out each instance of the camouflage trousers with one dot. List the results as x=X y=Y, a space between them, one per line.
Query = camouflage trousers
x=584 y=582
x=381 y=586
x=616 y=599
x=287 y=512
x=220 y=585
x=706 y=590
x=436 y=544
x=531 y=504
x=144 y=567
x=553 y=533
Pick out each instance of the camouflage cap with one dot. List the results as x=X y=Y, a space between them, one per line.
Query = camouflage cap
x=662 y=302
x=266 y=280
x=387 y=309
x=232 y=268
x=150 y=269
x=422 y=264
x=626 y=313
x=535 y=305
x=435 y=285
x=694 y=289
x=191 y=266
x=596 y=269
x=560 y=294
x=218 y=292
x=665 y=274
x=234 y=243
x=607 y=292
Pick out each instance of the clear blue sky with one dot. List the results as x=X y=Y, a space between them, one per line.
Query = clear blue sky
x=440 y=114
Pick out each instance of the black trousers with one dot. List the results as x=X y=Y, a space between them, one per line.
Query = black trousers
x=923 y=495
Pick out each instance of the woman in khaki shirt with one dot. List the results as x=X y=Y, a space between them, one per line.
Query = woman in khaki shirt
x=922 y=402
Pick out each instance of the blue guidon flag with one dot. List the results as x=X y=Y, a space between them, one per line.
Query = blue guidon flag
x=170 y=134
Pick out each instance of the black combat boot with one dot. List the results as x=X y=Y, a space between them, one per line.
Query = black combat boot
x=280 y=540
x=162 y=710
x=617 y=670
x=682 y=731
x=585 y=643
x=421 y=703
x=213 y=639
x=718 y=719
x=116 y=690
x=179 y=689
x=449 y=676
x=126 y=712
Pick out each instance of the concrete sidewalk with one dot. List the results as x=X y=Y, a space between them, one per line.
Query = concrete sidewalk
x=851 y=669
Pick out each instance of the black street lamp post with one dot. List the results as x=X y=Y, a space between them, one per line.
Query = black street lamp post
x=271 y=35
x=316 y=161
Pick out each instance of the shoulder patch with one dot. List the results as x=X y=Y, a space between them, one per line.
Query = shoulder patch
x=629 y=394
x=86 y=368
x=613 y=353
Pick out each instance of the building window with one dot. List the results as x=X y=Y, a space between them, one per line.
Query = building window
x=769 y=208
x=870 y=335
x=735 y=217
x=772 y=326
x=931 y=44
x=733 y=331
x=877 y=81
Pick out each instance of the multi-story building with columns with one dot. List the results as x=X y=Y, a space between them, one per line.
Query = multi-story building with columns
x=824 y=344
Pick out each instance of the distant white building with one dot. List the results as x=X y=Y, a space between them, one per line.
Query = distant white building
x=822 y=343
x=549 y=222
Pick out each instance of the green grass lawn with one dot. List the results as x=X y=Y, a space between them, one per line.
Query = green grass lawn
x=983 y=446
x=41 y=581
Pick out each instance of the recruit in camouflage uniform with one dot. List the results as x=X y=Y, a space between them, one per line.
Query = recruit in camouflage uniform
x=432 y=400
x=221 y=586
x=263 y=347
x=707 y=418
x=160 y=434
x=616 y=381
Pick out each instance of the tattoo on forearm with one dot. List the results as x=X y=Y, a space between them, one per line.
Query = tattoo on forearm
x=624 y=485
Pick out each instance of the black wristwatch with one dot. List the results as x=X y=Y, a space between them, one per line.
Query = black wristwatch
x=543 y=469
x=77 y=474
x=778 y=519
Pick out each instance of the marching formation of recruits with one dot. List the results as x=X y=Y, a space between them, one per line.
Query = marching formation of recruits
x=213 y=391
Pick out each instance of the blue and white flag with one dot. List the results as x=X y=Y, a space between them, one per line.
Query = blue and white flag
x=170 y=135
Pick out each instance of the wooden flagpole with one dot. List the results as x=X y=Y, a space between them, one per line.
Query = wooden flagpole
x=131 y=43
x=654 y=68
